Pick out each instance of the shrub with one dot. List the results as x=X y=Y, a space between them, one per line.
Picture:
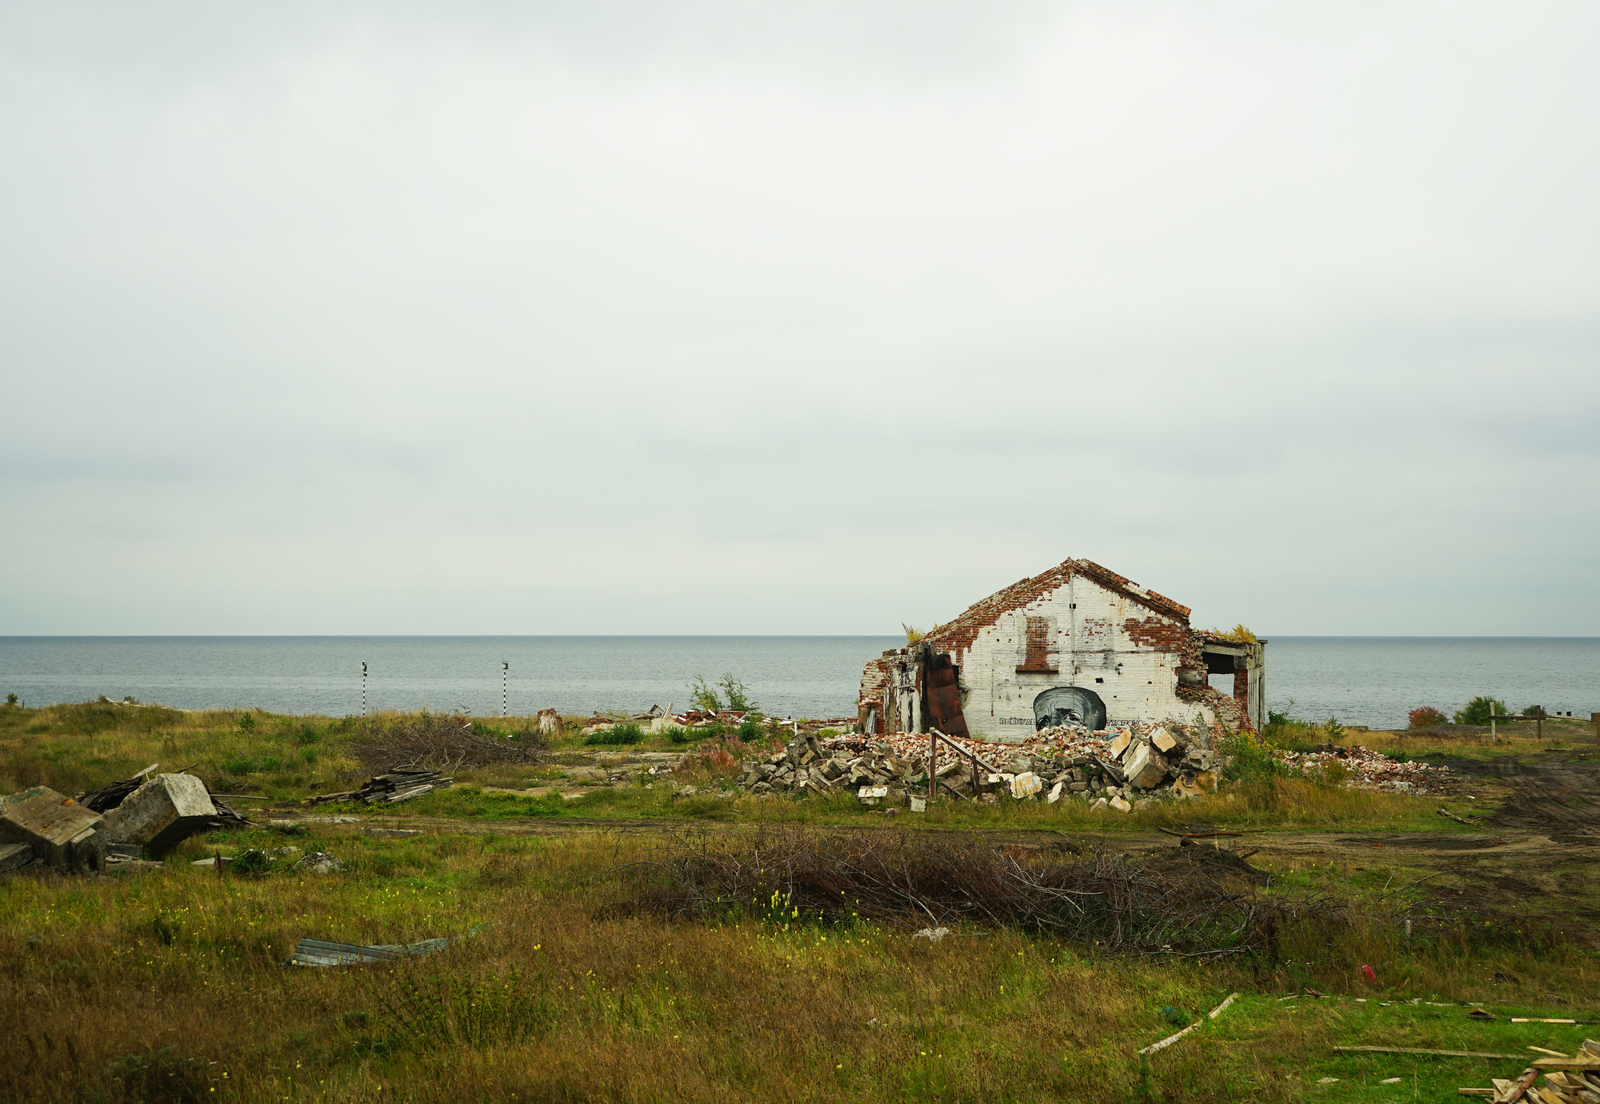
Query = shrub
x=248 y=722
x=703 y=697
x=616 y=735
x=1425 y=717
x=12 y=699
x=737 y=693
x=1479 y=709
x=1250 y=760
x=677 y=734
x=1534 y=711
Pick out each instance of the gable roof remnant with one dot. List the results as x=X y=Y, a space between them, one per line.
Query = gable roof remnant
x=959 y=633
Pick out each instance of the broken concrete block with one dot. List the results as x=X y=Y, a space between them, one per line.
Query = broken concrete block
x=919 y=804
x=1055 y=792
x=1143 y=769
x=1025 y=785
x=162 y=813
x=1163 y=740
x=1120 y=744
x=14 y=855
x=1120 y=805
x=871 y=795
x=1099 y=803
x=1187 y=787
x=63 y=833
x=1207 y=780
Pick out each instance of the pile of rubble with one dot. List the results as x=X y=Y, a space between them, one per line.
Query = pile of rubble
x=1057 y=763
x=124 y=823
x=1365 y=769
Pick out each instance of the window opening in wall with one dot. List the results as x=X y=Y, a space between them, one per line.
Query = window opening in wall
x=1037 y=658
x=1221 y=682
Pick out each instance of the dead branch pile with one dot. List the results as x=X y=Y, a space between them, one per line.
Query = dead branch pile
x=1174 y=904
x=443 y=743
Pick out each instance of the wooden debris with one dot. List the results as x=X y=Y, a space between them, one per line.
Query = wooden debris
x=1587 y=1062
x=1458 y=820
x=109 y=797
x=390 y=787
x=1416 y=1050
x=1514 y=1091
x=1170 y=1039
x=1566 y=1080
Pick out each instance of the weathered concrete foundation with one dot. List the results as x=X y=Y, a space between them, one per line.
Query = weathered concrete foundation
x=56 y=828
x=161 y=814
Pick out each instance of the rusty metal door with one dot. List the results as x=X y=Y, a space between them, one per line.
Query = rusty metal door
x=944 y=697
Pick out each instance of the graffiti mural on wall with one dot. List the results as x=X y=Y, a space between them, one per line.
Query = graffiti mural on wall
x=1061 y=705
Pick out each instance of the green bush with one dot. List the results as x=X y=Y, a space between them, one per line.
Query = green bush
x=1479 y=709
x=1250 y=760
x=1534 y=711
x=628 y=733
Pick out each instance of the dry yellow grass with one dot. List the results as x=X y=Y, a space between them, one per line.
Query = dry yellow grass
x=560 y=997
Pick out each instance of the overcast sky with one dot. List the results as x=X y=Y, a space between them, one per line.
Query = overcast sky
x=796 y=318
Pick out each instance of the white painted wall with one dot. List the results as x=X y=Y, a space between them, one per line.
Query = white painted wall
x=1091 y=649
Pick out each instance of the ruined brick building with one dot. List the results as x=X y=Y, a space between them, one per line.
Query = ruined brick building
x=1077 y=643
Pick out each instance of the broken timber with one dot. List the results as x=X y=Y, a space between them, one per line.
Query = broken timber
x=1170 y=1039
x=390 y=787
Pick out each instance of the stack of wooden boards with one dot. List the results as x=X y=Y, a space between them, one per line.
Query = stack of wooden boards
x=392 y=786
x=1567 y=1080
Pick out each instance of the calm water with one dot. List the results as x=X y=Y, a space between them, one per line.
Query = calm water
x=1361 y=680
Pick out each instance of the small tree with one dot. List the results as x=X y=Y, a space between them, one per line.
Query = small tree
x=737 y=693
x=1426 y=717
x=1534 y=711
x=703 y=697
x=1480 y=709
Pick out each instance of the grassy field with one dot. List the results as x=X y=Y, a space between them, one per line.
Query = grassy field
x=74 y=748
x=168 y=985
x=564 y=996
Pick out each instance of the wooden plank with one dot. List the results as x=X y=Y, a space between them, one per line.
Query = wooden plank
x=1587 y=1062
x=1417 y=1050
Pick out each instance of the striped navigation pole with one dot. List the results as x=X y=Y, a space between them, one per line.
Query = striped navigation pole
x=505 y=685
x=363 y=689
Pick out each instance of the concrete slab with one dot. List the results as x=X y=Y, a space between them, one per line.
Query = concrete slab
x=1143 y=769
x=162 y=813
x=63 y=833
x=14 y=855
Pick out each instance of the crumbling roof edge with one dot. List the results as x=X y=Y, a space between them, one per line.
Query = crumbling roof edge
x=987 y=610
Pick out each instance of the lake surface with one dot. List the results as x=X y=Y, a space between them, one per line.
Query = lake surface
x=1362 y=680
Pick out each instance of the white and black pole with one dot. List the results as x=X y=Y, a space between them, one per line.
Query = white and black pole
x=363 y=689
x=505 y=685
